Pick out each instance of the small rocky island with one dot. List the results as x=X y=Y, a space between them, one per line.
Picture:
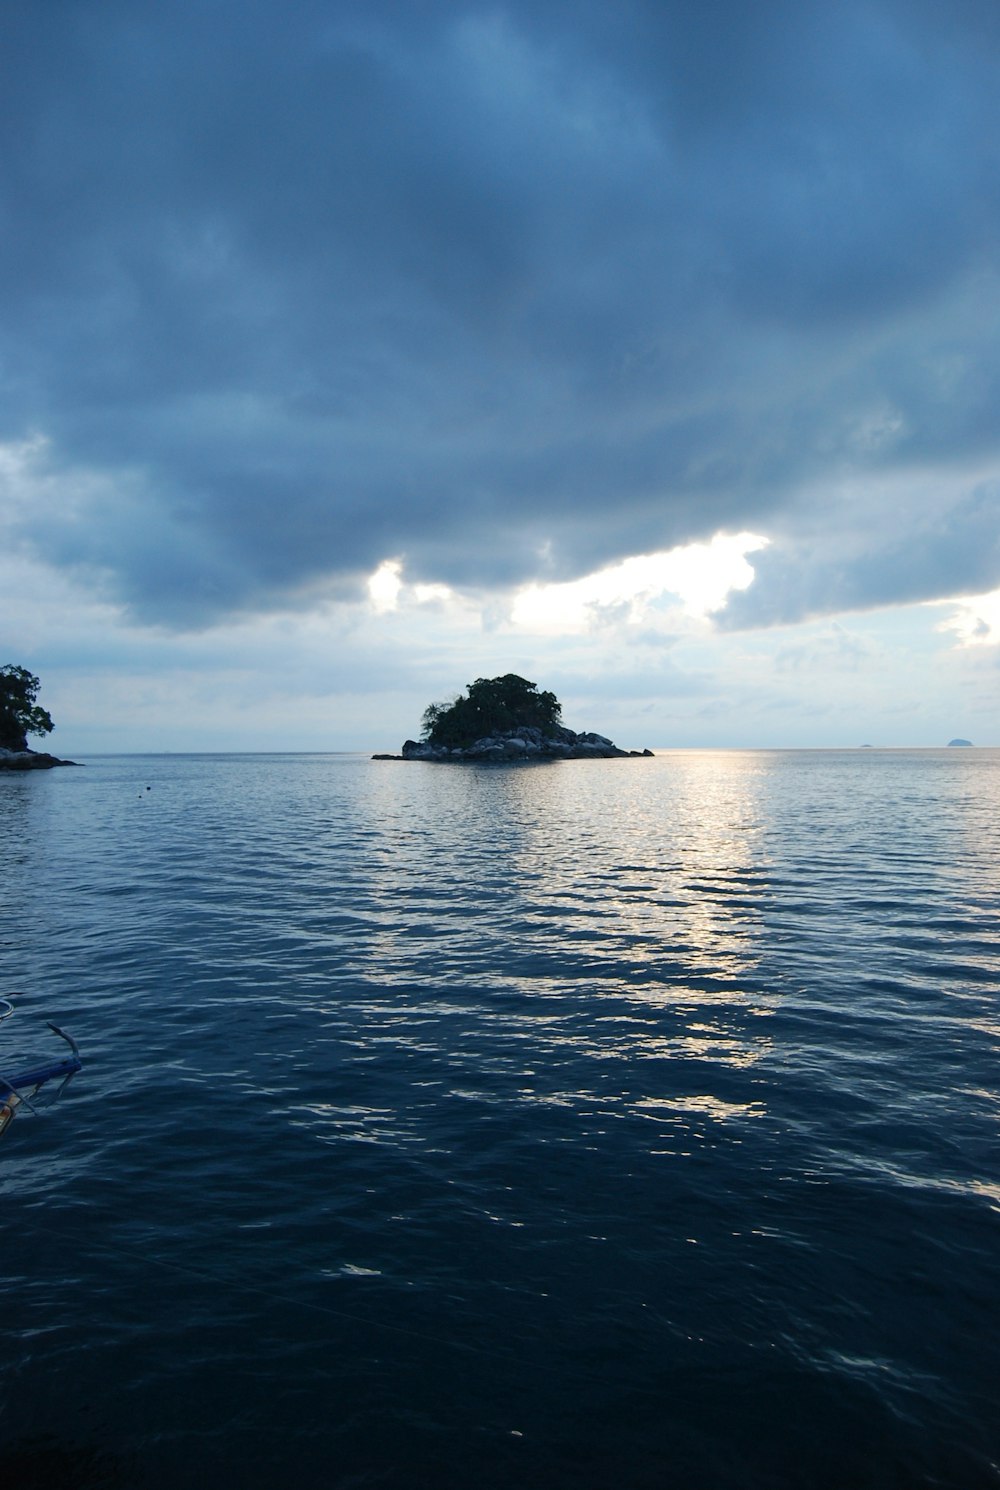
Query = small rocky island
x=21 y=716
x=504 y=719
x=29 y=760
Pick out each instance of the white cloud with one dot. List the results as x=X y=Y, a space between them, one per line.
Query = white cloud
x=388 y=591
x=384 y=586
x=700 y=576
x=975 y=620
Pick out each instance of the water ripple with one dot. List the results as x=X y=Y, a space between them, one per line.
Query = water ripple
x=543 y=1127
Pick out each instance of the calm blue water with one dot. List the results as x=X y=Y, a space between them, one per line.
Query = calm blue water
x=601 y=1124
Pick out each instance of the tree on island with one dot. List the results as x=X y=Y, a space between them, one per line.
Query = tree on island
x=20 y=716
x=490 y=706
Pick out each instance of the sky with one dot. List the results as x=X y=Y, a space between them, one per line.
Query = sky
x=352 y=351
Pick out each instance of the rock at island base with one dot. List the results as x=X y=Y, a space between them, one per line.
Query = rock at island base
x=29 y=760
x=518 y=745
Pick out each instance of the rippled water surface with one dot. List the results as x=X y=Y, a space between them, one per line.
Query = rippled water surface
x=598 y=1124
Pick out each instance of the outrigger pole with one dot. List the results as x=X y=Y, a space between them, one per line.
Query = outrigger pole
x=13 y=1089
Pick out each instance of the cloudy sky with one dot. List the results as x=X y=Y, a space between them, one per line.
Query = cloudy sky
x=651 y=350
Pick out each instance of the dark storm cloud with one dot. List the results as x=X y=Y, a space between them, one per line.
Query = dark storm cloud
x=877 y=563
x=508 y=291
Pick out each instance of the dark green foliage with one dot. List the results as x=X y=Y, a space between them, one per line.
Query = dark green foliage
x=20 y=716
x=489 y=706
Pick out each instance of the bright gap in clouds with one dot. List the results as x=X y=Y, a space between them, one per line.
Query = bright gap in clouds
x=384 y=586
x=699 y=575
x=976 y=620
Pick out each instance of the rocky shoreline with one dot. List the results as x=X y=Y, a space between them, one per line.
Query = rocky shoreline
x=526 y=744
x=29 y=760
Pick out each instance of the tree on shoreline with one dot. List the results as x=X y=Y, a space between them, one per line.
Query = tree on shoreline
x=20 y=716
x=490 y=706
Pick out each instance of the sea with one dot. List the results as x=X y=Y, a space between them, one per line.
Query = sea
x=591 y=1125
